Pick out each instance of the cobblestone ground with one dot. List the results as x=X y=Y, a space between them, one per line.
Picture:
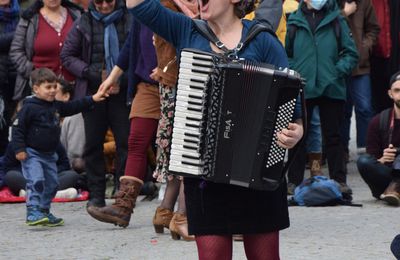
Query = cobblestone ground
x=339 y=232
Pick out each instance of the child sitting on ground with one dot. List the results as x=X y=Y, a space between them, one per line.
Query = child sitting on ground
x=35 y=135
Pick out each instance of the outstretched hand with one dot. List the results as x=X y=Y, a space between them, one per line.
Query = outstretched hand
x=101 y=94
x=291 y=135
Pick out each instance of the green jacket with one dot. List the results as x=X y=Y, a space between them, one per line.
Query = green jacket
x=317 y=58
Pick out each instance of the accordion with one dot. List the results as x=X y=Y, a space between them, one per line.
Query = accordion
x=227 y=114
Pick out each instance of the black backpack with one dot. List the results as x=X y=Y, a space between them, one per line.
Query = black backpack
x=291 y=32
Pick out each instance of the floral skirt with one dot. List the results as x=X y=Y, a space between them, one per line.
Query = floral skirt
x=164 y=133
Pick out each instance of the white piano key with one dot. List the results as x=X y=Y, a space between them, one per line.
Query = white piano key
x=192 y=76
x=183 y=159
x=185 y=169
x=184 y=131
x=187 y=82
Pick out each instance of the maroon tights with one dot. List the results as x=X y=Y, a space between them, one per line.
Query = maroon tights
x=141 y=134
x=257 y=246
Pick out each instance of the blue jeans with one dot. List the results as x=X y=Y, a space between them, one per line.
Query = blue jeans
x=314 y=139
x=375 y=174
x=40 y=172
x=359 y=95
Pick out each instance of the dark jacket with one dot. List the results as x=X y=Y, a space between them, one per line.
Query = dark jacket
x=8 y=71
x=78 y=47
x=21 y=50
x=378 y=139
x=38 y=123
x=316 y=55
x=365 y=29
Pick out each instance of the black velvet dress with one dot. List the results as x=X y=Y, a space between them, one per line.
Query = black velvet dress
x=222 y=209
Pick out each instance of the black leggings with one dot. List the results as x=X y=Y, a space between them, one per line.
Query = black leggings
x=16 y=181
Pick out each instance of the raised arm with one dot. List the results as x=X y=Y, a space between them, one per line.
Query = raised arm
x=174 y=27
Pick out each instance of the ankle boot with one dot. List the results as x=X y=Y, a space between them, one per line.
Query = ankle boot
x=120 y=212
x=179 y=227
x=314 y=160
x=392 y=193
x=162 y=219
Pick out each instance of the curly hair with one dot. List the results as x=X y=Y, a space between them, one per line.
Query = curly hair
x=245 y=7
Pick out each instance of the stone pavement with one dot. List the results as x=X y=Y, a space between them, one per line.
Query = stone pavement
x=325 y=233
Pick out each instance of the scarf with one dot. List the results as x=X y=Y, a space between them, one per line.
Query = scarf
x=111 y=43
x=189 y=7
x=9 y=16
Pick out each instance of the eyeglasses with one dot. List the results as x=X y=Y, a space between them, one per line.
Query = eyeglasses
x=99 y=2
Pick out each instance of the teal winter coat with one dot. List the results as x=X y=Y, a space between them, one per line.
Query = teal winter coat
x=316 y=56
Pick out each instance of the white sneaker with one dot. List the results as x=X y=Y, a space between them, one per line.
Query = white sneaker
x=70 y=193
x=22 y=193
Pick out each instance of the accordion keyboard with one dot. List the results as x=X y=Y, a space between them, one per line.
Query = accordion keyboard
x=194 y=73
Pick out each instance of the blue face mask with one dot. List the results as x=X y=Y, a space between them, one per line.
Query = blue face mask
x=317 y=4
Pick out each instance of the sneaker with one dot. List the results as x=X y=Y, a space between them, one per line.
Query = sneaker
x=54 y=221
x=35 y=217
x=290 y=188
x=344 y=188
x=22 y=193
x=70 y=193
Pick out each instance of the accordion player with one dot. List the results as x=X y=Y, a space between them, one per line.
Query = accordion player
x=227 y=114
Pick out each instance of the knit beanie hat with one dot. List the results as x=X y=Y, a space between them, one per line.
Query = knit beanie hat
x=394 y=78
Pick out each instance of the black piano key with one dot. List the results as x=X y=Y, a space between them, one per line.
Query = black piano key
x=190 y=157
x=191 y=135
x=189 y=147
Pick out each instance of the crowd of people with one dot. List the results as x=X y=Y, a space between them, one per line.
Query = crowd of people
x=73 y=73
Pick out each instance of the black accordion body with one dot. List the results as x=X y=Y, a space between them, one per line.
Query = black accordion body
x=226 y=118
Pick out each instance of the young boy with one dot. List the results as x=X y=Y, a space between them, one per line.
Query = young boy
x=36 y=134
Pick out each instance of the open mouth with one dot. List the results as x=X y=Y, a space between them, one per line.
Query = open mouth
x=204 y=2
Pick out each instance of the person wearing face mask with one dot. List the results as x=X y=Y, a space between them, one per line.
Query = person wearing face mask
x=324 y=58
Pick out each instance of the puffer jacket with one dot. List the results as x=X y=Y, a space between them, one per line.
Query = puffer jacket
x=78 y=47
x=7 y=69
x=316 y=56
x=21 y=50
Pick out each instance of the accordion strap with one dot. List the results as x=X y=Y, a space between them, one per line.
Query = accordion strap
x=203 y=28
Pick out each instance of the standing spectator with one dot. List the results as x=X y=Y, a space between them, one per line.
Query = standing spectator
x=364 y=26
x=38 y=40
x=378 y=167
x=385 y=58
x=324 y=59
x=9 y=16
x=138 y=58
x=89 y=53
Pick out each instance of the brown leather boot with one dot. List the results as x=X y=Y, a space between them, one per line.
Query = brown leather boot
x=120 y=212
x=392 y=193
x=162 y=219
x=179 y=227
x=314 y=160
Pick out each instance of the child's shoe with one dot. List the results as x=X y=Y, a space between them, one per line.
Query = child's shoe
x=35 y=217
x=53 y=220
